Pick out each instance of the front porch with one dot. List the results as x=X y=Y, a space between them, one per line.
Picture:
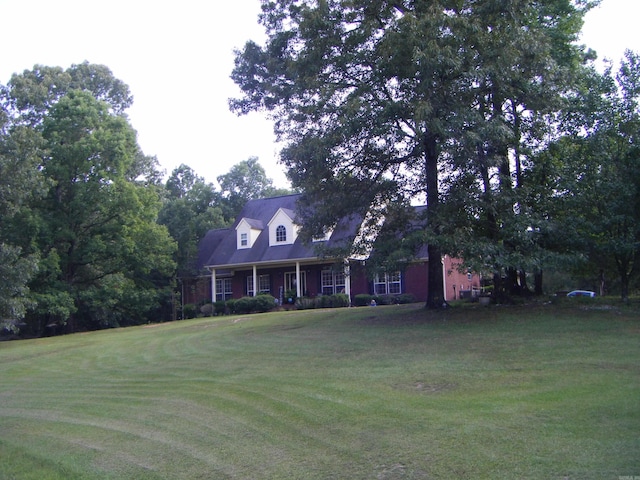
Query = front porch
x=282 y=281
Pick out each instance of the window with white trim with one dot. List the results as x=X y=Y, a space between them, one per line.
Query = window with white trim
x=223 y=289
x=244 y=239
x=290 y=281
x=281 y=233
x=332 y=281
x=394 y=282
x=264 y=284
x=387 y=283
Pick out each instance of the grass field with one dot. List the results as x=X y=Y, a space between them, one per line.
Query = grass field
x=542 y=392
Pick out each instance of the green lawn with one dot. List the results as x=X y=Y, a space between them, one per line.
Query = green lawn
x=542 y=392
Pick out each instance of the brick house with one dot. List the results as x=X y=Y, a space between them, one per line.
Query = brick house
x=261 y=253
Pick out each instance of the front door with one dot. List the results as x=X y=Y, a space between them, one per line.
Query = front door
x=290 y=281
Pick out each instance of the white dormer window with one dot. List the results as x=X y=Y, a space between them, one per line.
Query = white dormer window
x=248 y=231
x=282 y=230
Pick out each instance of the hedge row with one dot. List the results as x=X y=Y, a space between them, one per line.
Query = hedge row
x=323 y=301
x=261 y=303
x=363 y=299
x=266 y=303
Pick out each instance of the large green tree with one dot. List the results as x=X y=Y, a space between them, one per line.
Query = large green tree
x=98 y=226
x=191 y=207
x=33 y=92
x=245 y=181
x=103 y=259
x=20 y=183
x=526 y=61
x=597 y=182
x=380 y=102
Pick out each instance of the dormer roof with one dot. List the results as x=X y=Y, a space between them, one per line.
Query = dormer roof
x=286 y=211
x=251 y=223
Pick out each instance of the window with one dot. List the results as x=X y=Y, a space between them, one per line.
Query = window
x=394 y=284
x=327 y=282
x=290 y=281
x=264 y=284
x=332 y=282
x=244 y=239
x=387 y=284
x=223 y=289
x=339 y=282
x=282 y=229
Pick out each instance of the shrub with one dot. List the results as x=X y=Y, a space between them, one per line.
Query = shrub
x=405 y=298
x=264 y=303
x=243 y=305
x=290 y=296
x=220 y=307
x=340 y=300
x=305 y=303
x=362 y=299
x=383 y=299
x=189 y=310
x=207 y=309
x=323 y=301
x=230 y=306
x=261 y=303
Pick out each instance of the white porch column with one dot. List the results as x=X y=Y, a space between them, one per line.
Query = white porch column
x=255 y=281
x=444 y=277
x=213 y=285
x=347 y=279
x=298 y=282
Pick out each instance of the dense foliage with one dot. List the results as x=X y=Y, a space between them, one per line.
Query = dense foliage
x=454 y=102
x=525 y=155
x=90 y=237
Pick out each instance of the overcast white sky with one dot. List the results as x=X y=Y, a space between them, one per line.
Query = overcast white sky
x=176 y=57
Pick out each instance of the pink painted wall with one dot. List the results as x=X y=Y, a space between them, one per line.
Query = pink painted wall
x=456 y=281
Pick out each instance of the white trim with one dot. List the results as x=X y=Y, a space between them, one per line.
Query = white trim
x=274 y=263
x=284 y=219
x=347 y=279
x=213 y=285
x=255 y=281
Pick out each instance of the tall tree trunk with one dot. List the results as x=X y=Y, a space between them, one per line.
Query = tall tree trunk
x=537 y=280
x=435 y=292
x=624 y=279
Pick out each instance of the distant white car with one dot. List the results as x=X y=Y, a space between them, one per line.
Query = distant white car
x=581 y=293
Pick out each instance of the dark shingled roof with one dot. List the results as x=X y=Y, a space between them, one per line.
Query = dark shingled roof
x=219 y=247
x=208 y=244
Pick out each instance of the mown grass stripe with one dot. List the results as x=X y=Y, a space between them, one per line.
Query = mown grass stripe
x=390 y=392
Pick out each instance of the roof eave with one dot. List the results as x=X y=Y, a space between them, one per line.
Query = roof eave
x=287 y=261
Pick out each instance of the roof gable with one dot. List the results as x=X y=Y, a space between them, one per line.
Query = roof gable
x=282 y=229
x=247 y=232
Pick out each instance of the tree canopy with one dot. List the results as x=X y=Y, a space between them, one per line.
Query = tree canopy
x=385 y=102
x=245 y=181
x=191 y=207
x=522 y=156
x=76 y=205
x=594 y=173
